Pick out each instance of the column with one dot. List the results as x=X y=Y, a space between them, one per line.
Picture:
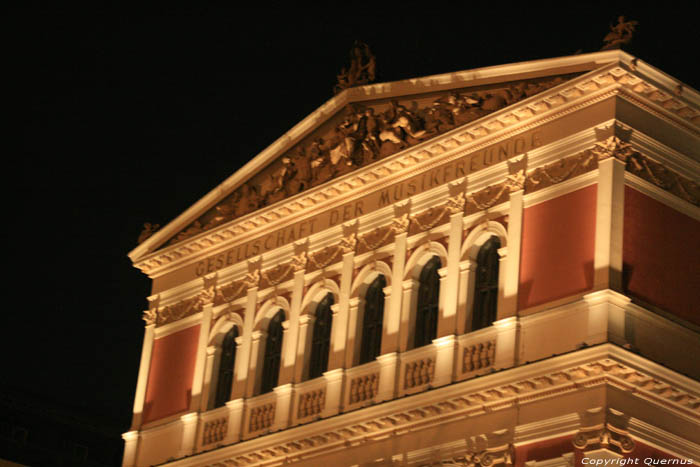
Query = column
x=392 y=312
x=287 y=358
x=254 y=372
x=295 y=362
x=303 y=354
x=408 y=314
x=340 y=328
x=243 y=347
x=447 y=321
x=464 y=296
x=387 y=344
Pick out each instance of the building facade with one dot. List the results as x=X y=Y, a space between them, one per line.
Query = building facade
x=494 y=266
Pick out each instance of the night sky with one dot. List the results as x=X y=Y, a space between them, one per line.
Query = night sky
x=126 y=119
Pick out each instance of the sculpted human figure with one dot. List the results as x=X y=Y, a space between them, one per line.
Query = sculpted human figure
x=620 y=34
x=362 y=68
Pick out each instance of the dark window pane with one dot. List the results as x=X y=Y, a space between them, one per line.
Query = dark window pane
x=373 y=320
x=486 y=285
x=428 y=298
x=227 y=362
x=273 y=353
x=321 y=340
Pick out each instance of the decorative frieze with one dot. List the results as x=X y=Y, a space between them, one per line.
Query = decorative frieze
x=230 y=292
x=561 y=170
x=488 y=197
x=214 y=431
x=375 y=239
x=274 y=276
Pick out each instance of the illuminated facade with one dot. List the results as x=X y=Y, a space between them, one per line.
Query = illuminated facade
x=496 y=266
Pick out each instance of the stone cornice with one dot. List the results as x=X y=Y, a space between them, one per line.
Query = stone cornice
x=546 y=106
x=604 y=365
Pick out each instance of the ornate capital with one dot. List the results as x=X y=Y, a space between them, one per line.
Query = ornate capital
x=612 y=146
x=252 y=279
x=299 y=262
x=207 y=295
x=455 y=204
x=348 y=243
x=150 y=316
x=400 y=224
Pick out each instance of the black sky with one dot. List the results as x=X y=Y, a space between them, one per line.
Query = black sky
x=126 y=119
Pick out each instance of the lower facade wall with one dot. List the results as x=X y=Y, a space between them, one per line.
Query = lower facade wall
x=599 y=317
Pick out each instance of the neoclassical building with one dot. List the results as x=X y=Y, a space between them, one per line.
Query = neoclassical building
x=489 y=267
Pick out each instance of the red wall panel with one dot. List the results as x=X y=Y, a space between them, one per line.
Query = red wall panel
x=661 y=256
x=557 y=248
x=170 y=378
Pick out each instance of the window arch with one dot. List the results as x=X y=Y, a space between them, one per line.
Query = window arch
x=226 y=366
x=428 y=303
x=321 y=339
x=486 y=284
x=373 y=321
x=273 y=353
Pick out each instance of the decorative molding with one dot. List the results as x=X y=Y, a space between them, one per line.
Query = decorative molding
x=230 y=292
x=668 y=180
x=376 y=238
x=488 y=197
x=561 y=170
x=182 y=309
x=323 y=258
x=429 y=218
x=609 y=79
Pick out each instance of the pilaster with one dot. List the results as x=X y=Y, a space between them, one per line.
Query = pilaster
x=610 y=210
x=142 y=381
x=509 y=299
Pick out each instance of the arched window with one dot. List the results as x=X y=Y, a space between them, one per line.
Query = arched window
x=486 y=284
x=273 y=354
x=428 y=296
x=228 y=359
x=321 y=339
x=373 y=320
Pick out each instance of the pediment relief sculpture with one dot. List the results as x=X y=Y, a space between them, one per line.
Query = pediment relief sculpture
x=358 y=136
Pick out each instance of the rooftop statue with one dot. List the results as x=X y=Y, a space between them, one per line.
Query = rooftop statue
x=362 y=68
x=620 y=34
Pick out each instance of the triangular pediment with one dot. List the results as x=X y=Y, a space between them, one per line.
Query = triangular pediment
x=364 y=125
